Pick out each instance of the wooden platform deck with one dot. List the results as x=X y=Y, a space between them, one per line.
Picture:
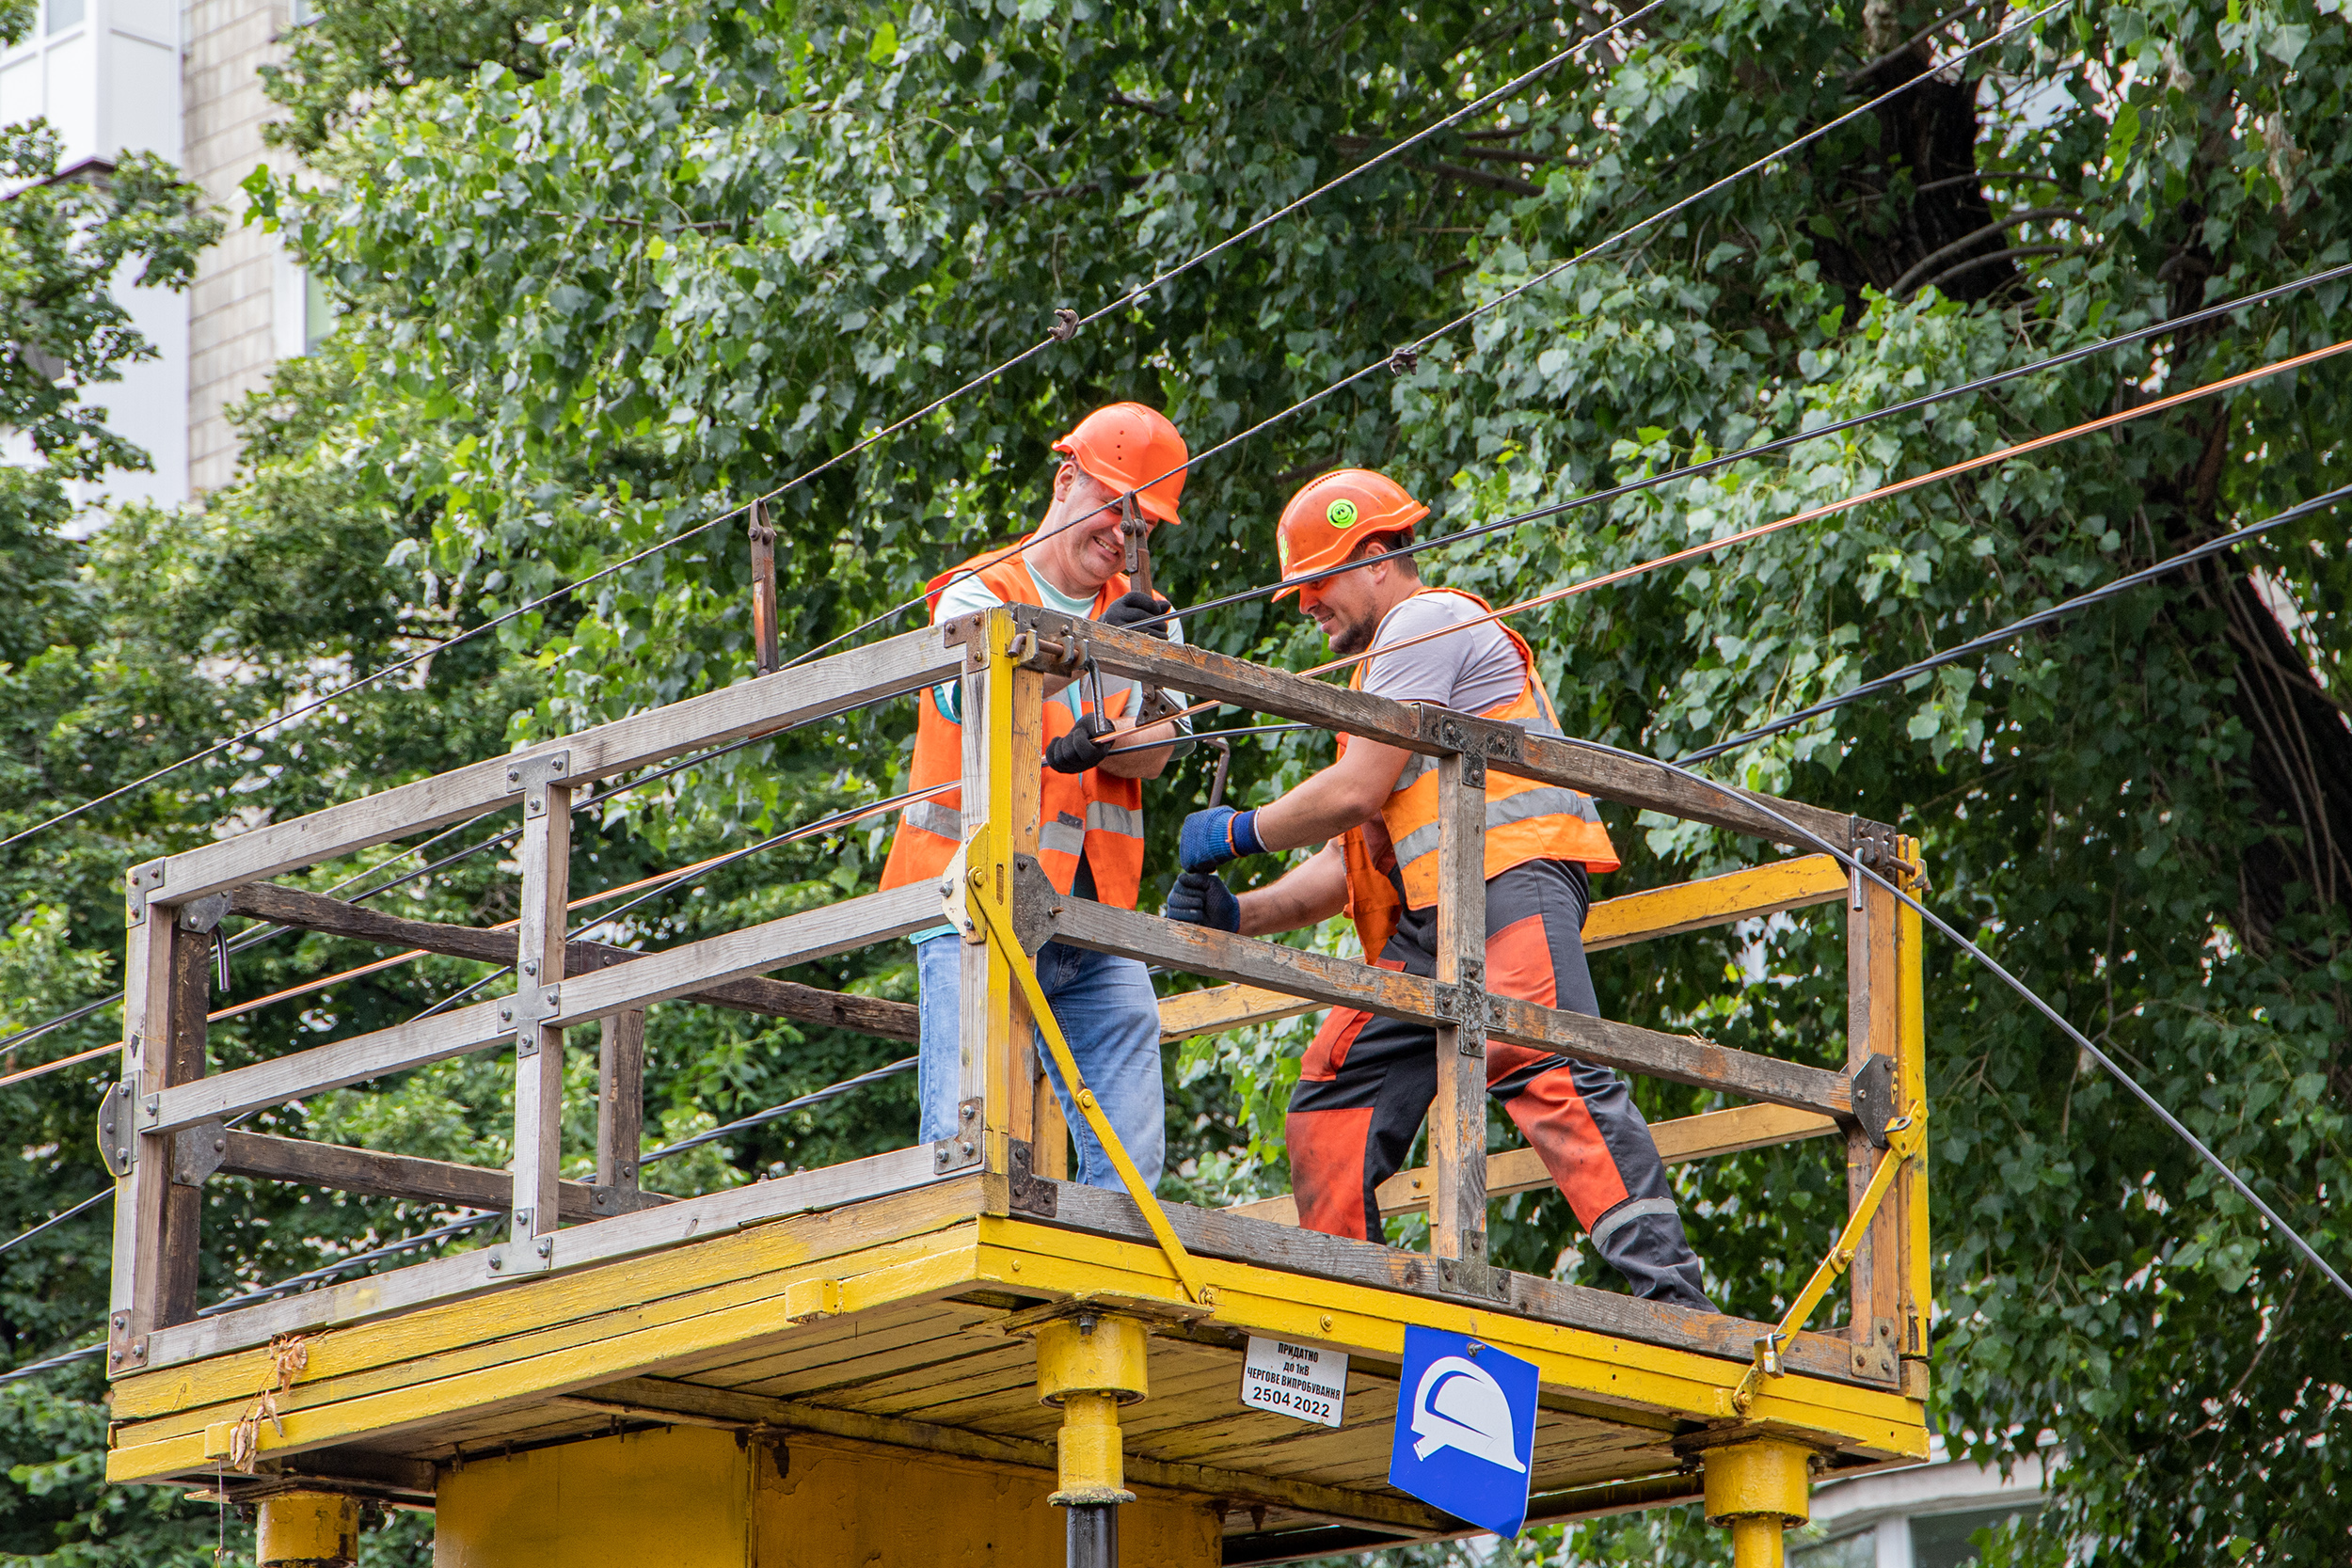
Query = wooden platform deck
x=898 y=1321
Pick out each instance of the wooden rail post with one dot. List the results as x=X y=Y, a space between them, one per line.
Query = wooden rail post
x=1873 y=1029
x=184 y=1060
x=620 y=1104
x=1457 y=1118
x=135 y=1292
x=546 y=855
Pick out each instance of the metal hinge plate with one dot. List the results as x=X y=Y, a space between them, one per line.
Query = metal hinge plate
x=116 y=1141
x=198 y=1151
x=1027 y=1193
x=144 y=880
x=1873 y=1089
x=1036 y=904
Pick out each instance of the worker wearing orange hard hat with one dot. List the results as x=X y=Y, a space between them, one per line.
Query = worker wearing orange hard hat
x=1367 y=1082
x=1091 y=821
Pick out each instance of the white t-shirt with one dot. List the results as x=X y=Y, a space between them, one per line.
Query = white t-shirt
x=1469 y=670
x=970 y=595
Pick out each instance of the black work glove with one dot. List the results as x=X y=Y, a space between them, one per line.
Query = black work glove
x=1202 y=899
x=1135 y=605
x=1082 y=748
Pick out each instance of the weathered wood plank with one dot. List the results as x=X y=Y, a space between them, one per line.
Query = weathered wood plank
x=1631 y=782
x=1458 y=1117
x=416 y=1043
x=445 y=1280
x=1221 y=1007
x=1679 y=1060
x=846 y=680
x=648 y=978
x=1521 y=1170
x=312 y=912
x=620 y=1101
x=377 y=1173
x=1219 y=1233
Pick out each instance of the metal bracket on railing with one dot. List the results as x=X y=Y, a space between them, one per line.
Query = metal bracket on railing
x=1049 y=641
x=531 y=776
x=1468 y=1008
x=1878 y=847
x=116 y=1145
x=197 y=1152
x=1874 y=1087
x=1473 y=1277
x=964 y=1148
x=536 y=997
x=1479 y=741
x=1025 y=1192
x=1906 y=1140
x=1036 y=904
x=144 y=880
x=509 y=1260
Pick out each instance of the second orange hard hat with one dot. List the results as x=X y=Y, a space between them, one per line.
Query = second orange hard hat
x=1132 y=448
x=1333 y=513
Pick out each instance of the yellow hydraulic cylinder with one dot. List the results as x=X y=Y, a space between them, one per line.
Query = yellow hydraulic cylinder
x=1759 y=1489
x=1090 y=1366
x=310 y=1529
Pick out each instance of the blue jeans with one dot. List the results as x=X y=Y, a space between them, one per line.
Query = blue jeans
x=1112 y=1018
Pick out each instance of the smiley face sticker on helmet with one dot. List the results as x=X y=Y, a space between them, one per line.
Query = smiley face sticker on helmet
x=1340 y=513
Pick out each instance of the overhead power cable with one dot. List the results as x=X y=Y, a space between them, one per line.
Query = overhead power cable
x=266 y=932
x=1883 y=492
x=1061 y=332
x=1404 y=356
x=1816 y=433
x=1992 y=640
x=1814 y=514
x=2082 y=1042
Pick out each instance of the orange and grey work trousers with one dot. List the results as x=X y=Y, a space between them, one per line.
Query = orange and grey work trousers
x=1367 y=1082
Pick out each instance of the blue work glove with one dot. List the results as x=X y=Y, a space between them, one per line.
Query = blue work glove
x=1218 y=834
x=1086 y=744
x=1202 y=899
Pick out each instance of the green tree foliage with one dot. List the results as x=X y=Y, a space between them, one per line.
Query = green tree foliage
x=640 y=264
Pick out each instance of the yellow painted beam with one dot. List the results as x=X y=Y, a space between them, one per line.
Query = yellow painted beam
x=197 y=1440
x=1521 y=1170
x=753 y=1254
x=1761 y=889
x=1221 y=1007
x=1681 y=1384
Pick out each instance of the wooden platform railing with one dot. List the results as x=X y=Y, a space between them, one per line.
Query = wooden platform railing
x=170 y=1118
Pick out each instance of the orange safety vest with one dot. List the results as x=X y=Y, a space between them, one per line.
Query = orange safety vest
x=1094 y=813
x=1526 y=820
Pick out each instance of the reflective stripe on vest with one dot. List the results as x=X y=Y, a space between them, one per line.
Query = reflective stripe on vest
x=1094 y=815
x=1526 y=819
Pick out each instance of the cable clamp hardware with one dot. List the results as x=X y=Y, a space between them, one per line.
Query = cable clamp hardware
x=1065 y=325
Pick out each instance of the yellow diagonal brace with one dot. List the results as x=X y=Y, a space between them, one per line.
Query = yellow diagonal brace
x=999 y=920
x=1905 y=1137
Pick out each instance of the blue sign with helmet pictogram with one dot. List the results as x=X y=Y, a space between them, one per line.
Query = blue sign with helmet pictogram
x=1465 y=1429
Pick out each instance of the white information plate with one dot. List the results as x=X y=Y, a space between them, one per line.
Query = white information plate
x=1298 y=1381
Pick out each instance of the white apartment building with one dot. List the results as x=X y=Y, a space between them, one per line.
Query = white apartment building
x=178 y=78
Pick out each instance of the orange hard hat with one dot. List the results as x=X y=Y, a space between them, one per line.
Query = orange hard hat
x=1334 y=514
x=1131 y=448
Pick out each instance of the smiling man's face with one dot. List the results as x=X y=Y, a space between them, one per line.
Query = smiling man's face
x=1079 y=544
x=1348 y=607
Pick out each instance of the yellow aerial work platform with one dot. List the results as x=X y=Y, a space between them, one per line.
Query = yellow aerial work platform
x=921 y=1355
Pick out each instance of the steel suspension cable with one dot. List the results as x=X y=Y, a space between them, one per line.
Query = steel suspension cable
x=1883 y=491
x=1993 y=639
x=1408 y=353
x=2083 y=1042
x=1059 y=334
x=1694 y=470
